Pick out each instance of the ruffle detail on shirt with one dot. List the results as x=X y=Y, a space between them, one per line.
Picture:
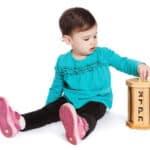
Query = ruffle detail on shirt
x=70 y=71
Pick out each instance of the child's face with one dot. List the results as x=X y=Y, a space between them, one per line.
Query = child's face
x=84 y=42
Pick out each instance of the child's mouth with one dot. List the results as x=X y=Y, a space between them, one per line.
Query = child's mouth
x=92 y=49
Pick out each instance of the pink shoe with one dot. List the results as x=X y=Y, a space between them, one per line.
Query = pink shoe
x=9 y=120
x=75 y=126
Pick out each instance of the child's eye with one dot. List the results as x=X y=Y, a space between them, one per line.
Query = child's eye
x=86 y=39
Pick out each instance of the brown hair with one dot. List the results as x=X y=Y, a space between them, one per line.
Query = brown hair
x=76 y=18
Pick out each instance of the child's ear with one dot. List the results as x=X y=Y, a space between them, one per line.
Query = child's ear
x=67 y=39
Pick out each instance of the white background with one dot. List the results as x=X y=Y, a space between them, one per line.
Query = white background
x=30 y=42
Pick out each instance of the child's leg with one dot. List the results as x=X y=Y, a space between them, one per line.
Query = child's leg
x=92 y=112
x=11 y=121
x=43 y=116
x=79 y=123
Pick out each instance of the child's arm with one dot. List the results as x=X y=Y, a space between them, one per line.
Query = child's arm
x=124 y=64
x=55 y=91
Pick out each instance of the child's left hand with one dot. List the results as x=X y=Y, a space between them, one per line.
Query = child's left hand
x=144 y=71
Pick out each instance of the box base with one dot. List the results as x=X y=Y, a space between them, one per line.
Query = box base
x=134 y=126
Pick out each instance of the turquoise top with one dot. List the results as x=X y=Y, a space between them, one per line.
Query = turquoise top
x=89 y=79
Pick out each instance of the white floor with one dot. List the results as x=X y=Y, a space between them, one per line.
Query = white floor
x=110 y=133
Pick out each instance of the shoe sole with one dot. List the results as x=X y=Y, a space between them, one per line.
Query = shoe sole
x=6 y=125
x=68 y=117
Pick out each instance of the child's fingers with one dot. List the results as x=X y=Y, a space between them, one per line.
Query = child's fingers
x=142 y=73
x=148 y=74
x=145 y=74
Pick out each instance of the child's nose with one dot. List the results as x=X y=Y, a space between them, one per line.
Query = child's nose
x=93 y=41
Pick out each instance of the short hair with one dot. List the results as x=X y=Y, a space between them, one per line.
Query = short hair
x=76 y=18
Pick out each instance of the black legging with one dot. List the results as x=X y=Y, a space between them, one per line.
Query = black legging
x=91 y=111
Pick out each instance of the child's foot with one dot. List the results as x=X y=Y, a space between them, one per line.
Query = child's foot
x=75 y=126
x=9 y=120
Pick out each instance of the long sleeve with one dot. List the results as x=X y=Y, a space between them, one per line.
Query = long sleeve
x=55 y=91
x=122 y=64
